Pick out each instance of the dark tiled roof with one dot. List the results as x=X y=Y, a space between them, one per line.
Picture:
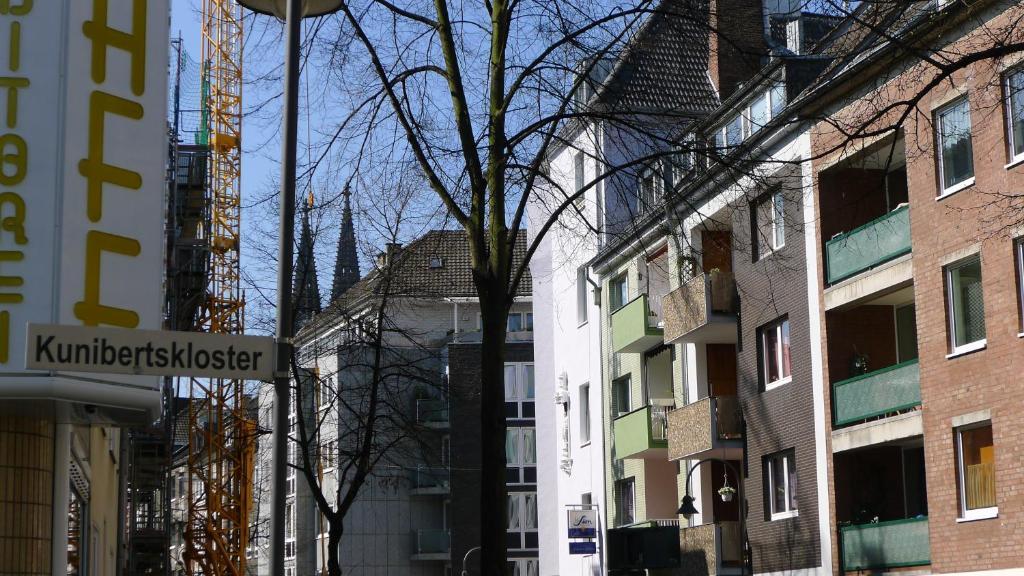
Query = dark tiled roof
x=435 y=265
x=664 y=68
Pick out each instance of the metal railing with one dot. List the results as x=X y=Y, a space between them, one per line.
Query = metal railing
x=869 y=245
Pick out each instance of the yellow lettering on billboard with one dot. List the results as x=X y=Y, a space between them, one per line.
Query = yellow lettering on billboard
x=17 y=159
x=5 y=336
x=11 y=281
x=20 y=9
x=96 y=171
x=15 y=224
x=14 y=57
x=13 y=85
x=134 y=43
x=89 y=310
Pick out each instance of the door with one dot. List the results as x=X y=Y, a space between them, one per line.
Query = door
x=721 y=369
x=717 y=247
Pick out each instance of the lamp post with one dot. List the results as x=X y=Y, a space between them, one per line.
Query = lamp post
x=292 y=12
x=687 y=508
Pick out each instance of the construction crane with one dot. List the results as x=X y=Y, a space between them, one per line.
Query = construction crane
x=221 y=445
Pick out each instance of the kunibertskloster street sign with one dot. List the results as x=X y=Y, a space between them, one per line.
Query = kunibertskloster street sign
x=153 y=352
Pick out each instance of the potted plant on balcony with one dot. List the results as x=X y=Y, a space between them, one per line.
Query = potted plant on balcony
x=859 y=363
x=726 y=492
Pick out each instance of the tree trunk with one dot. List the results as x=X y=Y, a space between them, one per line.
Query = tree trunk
x=493 y=493
x=334 y=532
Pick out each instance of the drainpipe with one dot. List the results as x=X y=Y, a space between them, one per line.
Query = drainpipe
x=603 y=556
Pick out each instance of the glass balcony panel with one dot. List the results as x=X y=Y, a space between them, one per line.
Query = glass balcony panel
x=891 y=544
x=635 y=328
x=431 y=541
x=865 y=247
x=877 y=393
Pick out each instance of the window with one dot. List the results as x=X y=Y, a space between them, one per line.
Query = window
x=578 y=179
x=1015 y=114
x=446 y=450
x=1018 y=250
x=624 y=500
x=780 y=474
x=621 y=401
x=585 y=414
x=778 y=98
x=976 y=471
x=650 y=189
x=956 y=162
x=734 y=131
x=770 y=224
x=618 y=292
x=289 y=530
x=758 y=114
x=522 y=520
x=581 y=296
x=775 y=364
x=965 y=305
x=522 y=567
x=520 y=455
x=519 y=390
x=520 y=322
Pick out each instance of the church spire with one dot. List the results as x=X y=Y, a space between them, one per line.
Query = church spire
x=306 y=289
x=346 y=267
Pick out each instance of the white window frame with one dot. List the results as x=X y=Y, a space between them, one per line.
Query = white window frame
x=777 y=224
x=579 y=177
x=519 y=390
x=955 y=349
x=1011 y=144
x=629 y=392
x=624 y=277
x=649 y=199
x=1018 y=256
x=584 y=402
x=519 y=435
x=524 y=566
x=937 y=122
x=621 y=500
x=521 y=525
x=965 y=515
x=776 y=327
x=782 y=458
x=289 y=534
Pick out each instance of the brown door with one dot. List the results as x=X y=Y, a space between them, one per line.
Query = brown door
x=717 y=247
x=721 y=369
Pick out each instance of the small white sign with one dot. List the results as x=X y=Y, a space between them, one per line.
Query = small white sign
x=582 y=523
x=153 y=352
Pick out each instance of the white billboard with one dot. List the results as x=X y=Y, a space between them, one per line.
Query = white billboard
x=83 y=148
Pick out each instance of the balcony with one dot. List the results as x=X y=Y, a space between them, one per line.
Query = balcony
x=643 y=433
x=702 y=310
x=867 y=246
x=427 y=481
x=892 y=544
x=711 y=548
x=713 y=423
x=634 y=327
x=650 y=545
x=431 y=545
x=432 y=413
x=885 y=391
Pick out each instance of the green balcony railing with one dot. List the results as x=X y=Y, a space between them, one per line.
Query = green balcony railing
x=891 y=389
x=634 y=328
x=431 y=542
x=869 y=245
x=643 y=432
x=891 y=544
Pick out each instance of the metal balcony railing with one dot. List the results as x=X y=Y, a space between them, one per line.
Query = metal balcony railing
x=869 y=245
x=892 y=544
x=885 y=391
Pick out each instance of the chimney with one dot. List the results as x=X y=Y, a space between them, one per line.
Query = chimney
x=391 y=250
x=736 y=42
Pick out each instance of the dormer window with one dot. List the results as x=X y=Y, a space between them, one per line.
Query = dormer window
x=651 y=188
x=436 y=262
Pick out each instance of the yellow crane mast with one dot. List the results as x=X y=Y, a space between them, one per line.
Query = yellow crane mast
x=221 y=433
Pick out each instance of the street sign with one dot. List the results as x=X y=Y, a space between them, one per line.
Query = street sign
x=586 y=547
x=582 y=524
x=154 y=352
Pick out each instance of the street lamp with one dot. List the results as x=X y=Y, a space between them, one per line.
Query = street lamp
x=292 y=12
x=687 y=509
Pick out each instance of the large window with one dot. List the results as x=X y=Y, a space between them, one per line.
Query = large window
x=1015 y=113
x=965 y=305
x=625 y=502
x=522 y=520
x=976 y=471
x=520 y=455
x=780 y=483
x=519 y=390
x=775 y=365
x=955 y=150
x=618 y=289
x=585 y=414
x=770 y=223
x=522 y=567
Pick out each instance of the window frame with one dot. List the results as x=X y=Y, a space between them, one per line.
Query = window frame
x=521 y=528
x=649 y=200
x=520 y=394
x=777 y=327
x=626 y=381
x=579 y=177
x=582 y=306
x=947 y=273
x=584 y=413
x=1018 y=257
x=963 y=514
x=776 y=225
x=1014 y=158
x=770 y=461
x=624 y=295
x=939 y=154
x=620 y=501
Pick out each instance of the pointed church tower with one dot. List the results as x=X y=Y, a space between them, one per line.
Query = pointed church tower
x=346 y=267
x=305 y=289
